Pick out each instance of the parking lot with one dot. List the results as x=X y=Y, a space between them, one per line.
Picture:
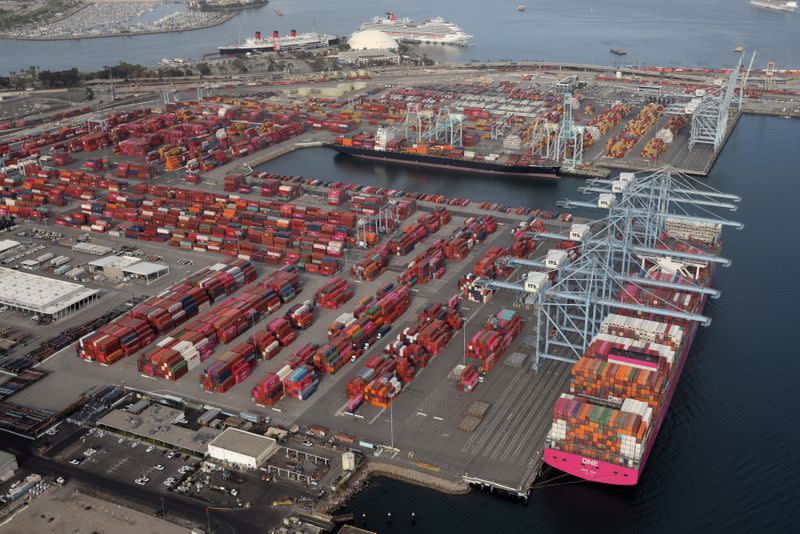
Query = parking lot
x=128 y=460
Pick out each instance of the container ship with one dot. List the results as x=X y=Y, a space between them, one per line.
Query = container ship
x=424 y=154
x=433 y=31
x=776 y=5
x=293 y=41
x=604 y=429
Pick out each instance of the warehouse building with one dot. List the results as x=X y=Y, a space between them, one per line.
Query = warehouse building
x=118 y=268
x=160 y=425
x=111 y=266
x=30 y=293
x=363 y=58
x=8 y=244
x=241 y=448
x=146 y=271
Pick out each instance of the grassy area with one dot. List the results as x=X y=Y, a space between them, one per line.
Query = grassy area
x=20 y=17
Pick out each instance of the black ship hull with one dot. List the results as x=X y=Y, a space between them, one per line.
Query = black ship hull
x=539 y=170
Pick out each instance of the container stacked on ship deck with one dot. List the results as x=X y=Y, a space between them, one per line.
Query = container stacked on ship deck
x=618 y=386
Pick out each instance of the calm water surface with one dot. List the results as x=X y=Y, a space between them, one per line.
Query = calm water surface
x=674 y=32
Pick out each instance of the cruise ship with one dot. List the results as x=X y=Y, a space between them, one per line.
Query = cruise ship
x=776 y=5
x=433 y=31
x=293 y=41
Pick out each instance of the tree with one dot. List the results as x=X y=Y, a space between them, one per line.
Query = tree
x=204 y=69
x=59 y=79
x=89 y=93
x=239 y=66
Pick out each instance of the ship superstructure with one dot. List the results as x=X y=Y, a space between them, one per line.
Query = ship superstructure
x=776 y=5
x=277 y=42
x=433 y=31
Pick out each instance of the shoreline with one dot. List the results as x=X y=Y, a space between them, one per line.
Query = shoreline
x=222 y=20
x=375 y=469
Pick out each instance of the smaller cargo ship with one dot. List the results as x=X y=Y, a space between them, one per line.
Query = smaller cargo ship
x=276 y=43
x=424 y=154
x=776 y=5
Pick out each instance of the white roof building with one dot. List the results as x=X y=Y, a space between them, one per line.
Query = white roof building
x=32 y=293
x=242 y=448
x=146 y=270
x=371 y=40
x=8 y=244
x=119 y=267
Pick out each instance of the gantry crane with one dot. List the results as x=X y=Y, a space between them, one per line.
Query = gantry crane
x=573 y=296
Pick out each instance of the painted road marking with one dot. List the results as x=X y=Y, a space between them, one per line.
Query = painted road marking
x=428 y=467
x=376 y=416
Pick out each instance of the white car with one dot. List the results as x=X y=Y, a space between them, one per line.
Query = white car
x=140 y=481
x=134 y=444
x=89 y=452
x=184 y=469
x=150 y=448
x=121 y=440
x=171 y=455
x=234 y=492
x=74 y=461
x=101 y=434
x=158 y=467
x=60 y=481
x=169 y=482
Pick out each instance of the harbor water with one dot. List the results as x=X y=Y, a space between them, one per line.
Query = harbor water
x=724 y=459
x=674 y=33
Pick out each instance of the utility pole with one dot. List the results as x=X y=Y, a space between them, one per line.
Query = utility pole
x=391 y=422
x=464 y=328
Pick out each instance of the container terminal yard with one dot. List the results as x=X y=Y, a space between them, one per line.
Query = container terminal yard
x=436 y=337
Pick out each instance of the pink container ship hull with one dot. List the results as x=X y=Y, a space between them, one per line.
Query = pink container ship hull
x=609 y=473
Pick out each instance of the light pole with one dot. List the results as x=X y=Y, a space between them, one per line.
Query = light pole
x=465 y=339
